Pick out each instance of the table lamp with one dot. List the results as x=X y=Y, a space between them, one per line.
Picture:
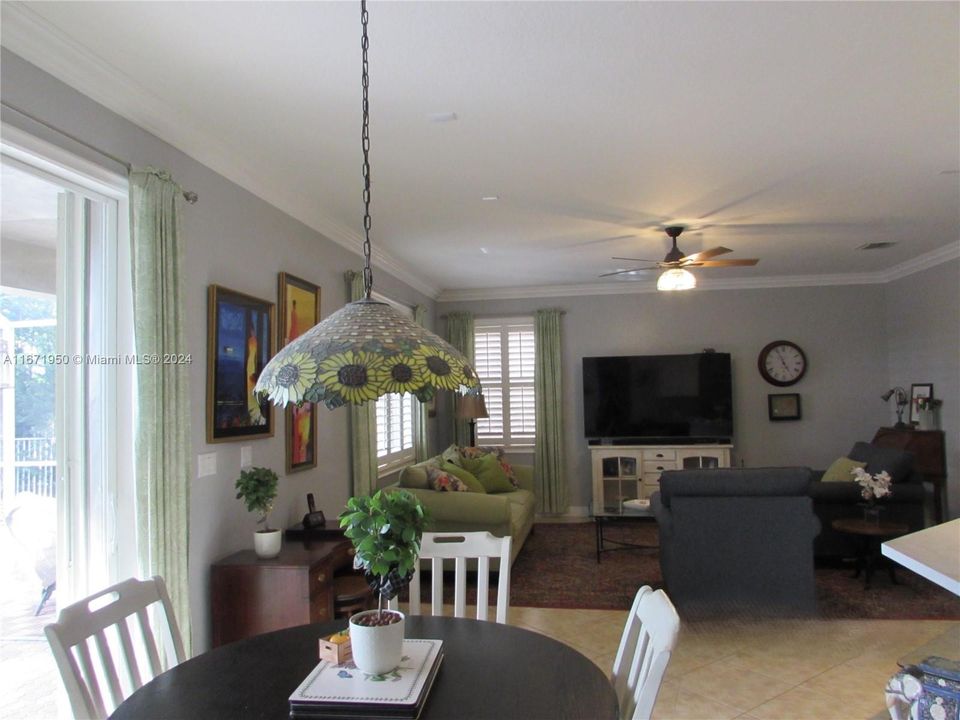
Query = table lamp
x=470 y=407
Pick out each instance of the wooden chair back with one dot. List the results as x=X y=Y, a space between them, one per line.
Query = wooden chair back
x=105 y=646
x=461 y=547
x=648 y=639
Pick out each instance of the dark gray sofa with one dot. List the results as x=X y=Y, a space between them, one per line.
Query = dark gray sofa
x=833 y=500
x=737 y=538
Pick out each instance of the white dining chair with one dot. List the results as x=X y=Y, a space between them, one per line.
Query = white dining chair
x=461 y=547
x=648 y=639
x=88 y=653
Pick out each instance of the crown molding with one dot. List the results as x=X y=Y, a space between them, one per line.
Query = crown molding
x=923 y=262
x=36 y=40
x=632 y=287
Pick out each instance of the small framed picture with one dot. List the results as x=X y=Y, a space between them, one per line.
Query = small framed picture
x=299 y=302
x=917 y=391
x=783 y=406
x=240 y=337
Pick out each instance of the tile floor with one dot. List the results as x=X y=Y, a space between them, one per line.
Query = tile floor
x=765 y=669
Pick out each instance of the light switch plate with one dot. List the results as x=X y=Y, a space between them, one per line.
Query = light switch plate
x=246 y=456
x=206 y=464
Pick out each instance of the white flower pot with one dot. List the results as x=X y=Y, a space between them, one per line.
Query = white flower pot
x=376 y=650
x=267 y=544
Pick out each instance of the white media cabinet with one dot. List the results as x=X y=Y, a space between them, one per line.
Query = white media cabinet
x=625 y=472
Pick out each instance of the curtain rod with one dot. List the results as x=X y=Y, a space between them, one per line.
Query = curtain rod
x=188 y=195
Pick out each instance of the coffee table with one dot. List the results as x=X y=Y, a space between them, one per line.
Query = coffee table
x=869 y=535
x=625 y=515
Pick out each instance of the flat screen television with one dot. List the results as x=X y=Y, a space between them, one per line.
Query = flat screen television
x=655 y=398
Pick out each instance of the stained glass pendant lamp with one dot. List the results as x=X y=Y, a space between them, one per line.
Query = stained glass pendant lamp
x=366 y=349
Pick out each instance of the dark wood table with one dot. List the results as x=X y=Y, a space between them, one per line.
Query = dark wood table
x=489 y=671
x=869 y=536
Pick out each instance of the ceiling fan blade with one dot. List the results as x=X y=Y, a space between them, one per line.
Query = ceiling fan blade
x=741 y=262
x=705 y=255
x=624 y=272
x=635 y=259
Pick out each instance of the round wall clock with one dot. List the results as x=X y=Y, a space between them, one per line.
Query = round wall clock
x=782 y=363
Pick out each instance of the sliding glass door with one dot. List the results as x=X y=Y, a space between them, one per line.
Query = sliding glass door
x=66 y=413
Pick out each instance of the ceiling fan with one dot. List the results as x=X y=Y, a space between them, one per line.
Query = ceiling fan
x=677 y=277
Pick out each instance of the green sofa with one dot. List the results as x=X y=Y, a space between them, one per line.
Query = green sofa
x=500 y=514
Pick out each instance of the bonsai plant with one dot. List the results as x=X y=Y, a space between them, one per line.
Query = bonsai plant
x=257 y=487
x=385 y=529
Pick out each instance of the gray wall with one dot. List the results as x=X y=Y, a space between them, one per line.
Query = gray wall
x=923 y=339
x=235 y=239
x=841 y=330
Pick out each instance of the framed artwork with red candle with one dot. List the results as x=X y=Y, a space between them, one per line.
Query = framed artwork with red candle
x=299 y=311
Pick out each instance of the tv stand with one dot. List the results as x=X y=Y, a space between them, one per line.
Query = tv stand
x=625 y=472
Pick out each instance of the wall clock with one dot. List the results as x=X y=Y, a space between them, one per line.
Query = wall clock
x=782 y=363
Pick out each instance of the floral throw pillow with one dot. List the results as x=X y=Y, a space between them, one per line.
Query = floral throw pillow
x=451 y=454
x=472 y=453
x=445 y=482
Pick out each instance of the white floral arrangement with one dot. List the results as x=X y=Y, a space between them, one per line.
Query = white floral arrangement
x=872 y=487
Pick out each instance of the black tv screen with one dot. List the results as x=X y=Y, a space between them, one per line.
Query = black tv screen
x=658 y=397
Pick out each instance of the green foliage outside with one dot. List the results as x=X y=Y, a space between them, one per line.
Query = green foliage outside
x=386 y=529
x=257 y=487
x=35 y=385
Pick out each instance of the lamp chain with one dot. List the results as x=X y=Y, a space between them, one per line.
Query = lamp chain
x=365 y=44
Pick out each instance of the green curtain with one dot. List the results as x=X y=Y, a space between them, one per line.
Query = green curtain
x=549 y=475
x=460 y=335
x=363 y=419
x=162 y=432
x=421 y=442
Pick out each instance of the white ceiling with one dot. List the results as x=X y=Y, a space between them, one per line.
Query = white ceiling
x=28 y=208
x=794 y=132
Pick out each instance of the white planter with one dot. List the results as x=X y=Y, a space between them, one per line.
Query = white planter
x=377 y=650
x=267 y=544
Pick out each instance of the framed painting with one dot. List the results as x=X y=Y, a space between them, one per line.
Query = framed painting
x=783 y=406
x=300 y=310
x=240 y=343
x=917 y=391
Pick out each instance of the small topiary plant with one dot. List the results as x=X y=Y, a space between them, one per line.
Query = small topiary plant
x=385 y=529
x=257 y=487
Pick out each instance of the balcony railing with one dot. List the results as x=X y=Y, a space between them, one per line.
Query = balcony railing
x=35 y=466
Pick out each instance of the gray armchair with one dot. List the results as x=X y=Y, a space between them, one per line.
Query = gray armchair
x=737 y=538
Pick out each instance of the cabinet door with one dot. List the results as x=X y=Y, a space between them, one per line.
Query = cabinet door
x=702 y=459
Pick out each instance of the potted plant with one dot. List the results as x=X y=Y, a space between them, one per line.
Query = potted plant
x=257 y=487
x=385 y=529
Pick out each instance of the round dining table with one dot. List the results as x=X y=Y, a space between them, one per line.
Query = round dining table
x=489 y=671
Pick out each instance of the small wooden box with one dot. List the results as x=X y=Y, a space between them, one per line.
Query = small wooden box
x=337 y=653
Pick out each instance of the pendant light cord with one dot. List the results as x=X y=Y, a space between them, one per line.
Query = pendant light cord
x=365 y=44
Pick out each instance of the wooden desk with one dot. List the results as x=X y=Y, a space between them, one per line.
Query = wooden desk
x=489 y=671
x=929 y=458
x=933 y=553
x=249 y=596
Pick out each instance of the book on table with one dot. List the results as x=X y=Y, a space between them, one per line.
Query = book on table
x=343 y=691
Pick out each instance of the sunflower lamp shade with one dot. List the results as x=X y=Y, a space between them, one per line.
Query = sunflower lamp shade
x=363 y=351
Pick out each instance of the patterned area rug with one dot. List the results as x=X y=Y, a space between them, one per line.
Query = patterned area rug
x=558 y=568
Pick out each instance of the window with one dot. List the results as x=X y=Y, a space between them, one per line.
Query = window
x=505 y=360
x=395 y=420
x=394 y=431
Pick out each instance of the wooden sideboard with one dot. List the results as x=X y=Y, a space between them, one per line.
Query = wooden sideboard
x=929 y=458
x=249 y=596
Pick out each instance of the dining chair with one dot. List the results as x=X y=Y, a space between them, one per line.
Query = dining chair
x=461 y=547
x=648 y=639
x=88 y=653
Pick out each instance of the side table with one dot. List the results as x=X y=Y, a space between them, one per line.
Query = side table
x=869 y=535
x=601 y=520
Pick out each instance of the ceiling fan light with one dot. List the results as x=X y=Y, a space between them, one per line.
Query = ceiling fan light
x=676 y=279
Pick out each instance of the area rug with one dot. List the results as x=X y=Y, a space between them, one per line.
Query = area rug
x=557 y=568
